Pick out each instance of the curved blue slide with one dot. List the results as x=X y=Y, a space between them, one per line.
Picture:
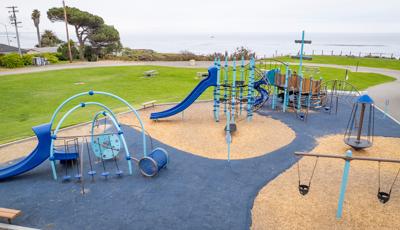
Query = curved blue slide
x=211 y=80
x=37 y=156
x=264 y=94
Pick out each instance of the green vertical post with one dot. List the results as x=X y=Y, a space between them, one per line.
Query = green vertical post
x=233 y=98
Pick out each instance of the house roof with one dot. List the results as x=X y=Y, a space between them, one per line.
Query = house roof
x=5 y=49
x=43 y=50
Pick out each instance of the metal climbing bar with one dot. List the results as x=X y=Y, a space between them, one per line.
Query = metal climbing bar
x=250 y=91
x=91 y=93
x=216 y=90
x=225 y=81
x=233 y=90
x=241 y=88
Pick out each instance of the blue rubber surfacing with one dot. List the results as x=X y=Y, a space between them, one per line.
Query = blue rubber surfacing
x=192 y=193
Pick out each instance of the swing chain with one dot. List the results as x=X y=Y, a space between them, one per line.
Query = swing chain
x=304 y=188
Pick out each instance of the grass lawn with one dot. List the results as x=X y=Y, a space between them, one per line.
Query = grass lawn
x=350 y=61
x=30 y=99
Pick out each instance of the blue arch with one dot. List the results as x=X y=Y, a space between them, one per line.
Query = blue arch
x=82 y=105
x=92 y=93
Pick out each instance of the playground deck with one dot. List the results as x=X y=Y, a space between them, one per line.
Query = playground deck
x=194 y=192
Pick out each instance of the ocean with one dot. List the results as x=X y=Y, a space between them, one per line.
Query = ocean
x=264 y=44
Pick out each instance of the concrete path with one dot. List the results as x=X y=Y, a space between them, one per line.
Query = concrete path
x=380 y=93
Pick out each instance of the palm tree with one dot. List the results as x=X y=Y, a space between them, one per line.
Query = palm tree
x=36 y=20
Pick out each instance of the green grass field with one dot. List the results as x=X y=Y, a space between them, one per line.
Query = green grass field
x=30 y=99
x=350 y=61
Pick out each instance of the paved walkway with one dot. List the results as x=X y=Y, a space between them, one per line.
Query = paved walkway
x=389 y=91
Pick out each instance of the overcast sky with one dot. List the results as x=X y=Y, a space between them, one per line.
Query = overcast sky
x=210 y=16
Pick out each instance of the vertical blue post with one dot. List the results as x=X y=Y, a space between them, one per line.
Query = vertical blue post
x=300 y=92
x=215 y=94
x=300 y=74
x=233 y=98
x=241 y=88
x=301 y=53
x=310 y=94
x=225 y=81
x=250 y=91
x=218 y=93
x=274 y=97
x=344 y=185
x=228 y=134
x=285 y=94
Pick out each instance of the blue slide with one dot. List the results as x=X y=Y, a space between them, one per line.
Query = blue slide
x=37 y=156
x=264 y=94
x=211 y=80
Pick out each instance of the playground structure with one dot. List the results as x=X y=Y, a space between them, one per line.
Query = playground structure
x=382 y=196
x=105 y=145
x=359 y=133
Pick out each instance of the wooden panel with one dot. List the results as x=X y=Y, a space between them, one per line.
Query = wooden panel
x=9 y=213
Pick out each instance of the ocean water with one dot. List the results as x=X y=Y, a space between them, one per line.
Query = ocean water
x=267 y=44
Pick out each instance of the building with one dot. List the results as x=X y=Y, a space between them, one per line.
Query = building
x=6 y=49
x=41 y=50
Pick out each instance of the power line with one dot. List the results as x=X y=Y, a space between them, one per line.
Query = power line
x=15 y=22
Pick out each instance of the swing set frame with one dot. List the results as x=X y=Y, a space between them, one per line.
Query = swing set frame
x=382 y=196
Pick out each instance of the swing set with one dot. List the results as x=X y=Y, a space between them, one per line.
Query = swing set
x=382 y=196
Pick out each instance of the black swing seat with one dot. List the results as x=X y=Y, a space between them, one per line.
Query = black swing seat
x=304 y=189
x=383 y=197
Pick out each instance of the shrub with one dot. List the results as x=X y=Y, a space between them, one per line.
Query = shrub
x=52 y=58
x=12 y=60
x=63 y=51
x=27 y=59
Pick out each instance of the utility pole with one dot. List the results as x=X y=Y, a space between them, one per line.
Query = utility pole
x=13 y=19
x=66 y=29
x=8 y=39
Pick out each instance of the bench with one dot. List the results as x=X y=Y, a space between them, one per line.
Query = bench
x=202 y=74
x=150 y=73
x=9 y=214
x=149 y=104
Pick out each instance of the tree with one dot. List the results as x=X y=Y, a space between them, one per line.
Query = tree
x=36 y=20
x=105 y=39
x=84 y=23
x=63 y=51
x=49 y=39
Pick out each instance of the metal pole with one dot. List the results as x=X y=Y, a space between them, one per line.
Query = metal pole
x=8 y=39
x=15 y=23
x=360 y=125
x=233 y=94
x=66 y=29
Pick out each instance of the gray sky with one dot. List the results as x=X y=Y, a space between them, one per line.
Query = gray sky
x=210 y=16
